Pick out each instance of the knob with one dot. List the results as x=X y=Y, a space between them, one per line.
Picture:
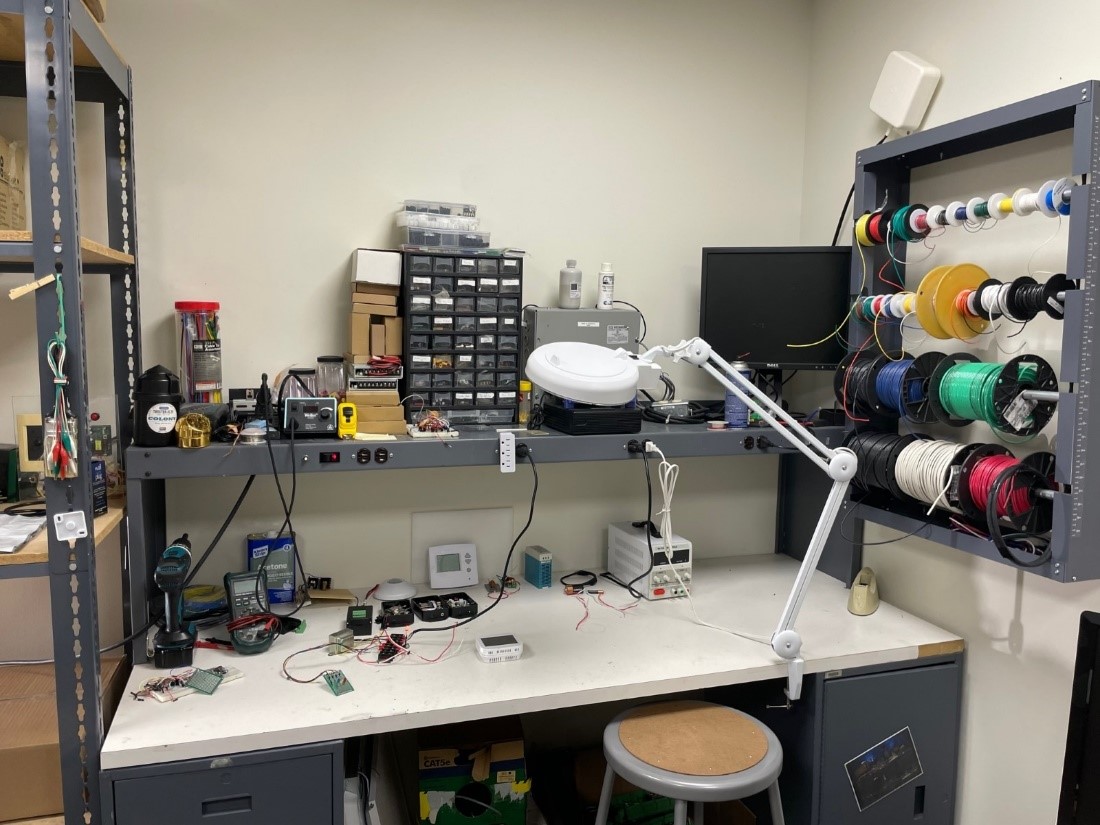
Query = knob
x=326 y=413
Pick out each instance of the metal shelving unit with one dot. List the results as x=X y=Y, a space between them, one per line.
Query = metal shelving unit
x=885 y=169
x=64 y=57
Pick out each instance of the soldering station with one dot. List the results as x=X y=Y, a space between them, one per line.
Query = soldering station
x=755 y=447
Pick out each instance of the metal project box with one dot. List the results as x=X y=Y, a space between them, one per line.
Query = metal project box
x=611 y=328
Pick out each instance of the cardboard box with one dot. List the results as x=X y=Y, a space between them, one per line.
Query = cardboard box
x=375 y=289
x=377 y=338
x=382 y=427
x=373 y=398
x=374 y=309
x=393 y=336
x=374 y=298
x=396 y=413
x=376 y=266
x=359 y=334
x=30 y=756
x=482 y=761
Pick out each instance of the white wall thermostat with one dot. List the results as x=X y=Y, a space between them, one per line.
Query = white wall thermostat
x=452 y=565
x=499 y=648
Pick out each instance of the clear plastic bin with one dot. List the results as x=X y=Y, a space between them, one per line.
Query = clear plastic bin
x=486 y=361
x=419 y=342
x=506 y=379
x=464 y=342
x=466 y=323
x=486 y=304
x=466 y=265
x=441 y=207
x=420 y=263
x=420 y=380
x=443 y=342
x=465 y=303
x=443 y=303
x=421 y=284
x=443 y=284
x=420 y=303
x=489 y=285
x=444 y=238
x=488 y=266
x=420 y=362
x=443 y=361
x=464 y=378
x=443 y=380
x=420 y=323
x=509 y=266
x=463 y=399
x=509 y=343
x=464 y=361
x=487 y=323
x=508 y=361
x=486 y=378
x=443 y=323
x=440 y=264
x=506 y=398
x=433 y=220
x=508 y=324
x=485 y=399
x=509 y=286
x=487 y=342
x=509 y=304
x=443 y=399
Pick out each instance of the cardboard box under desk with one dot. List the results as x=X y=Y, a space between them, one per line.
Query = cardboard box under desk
x=30 y=755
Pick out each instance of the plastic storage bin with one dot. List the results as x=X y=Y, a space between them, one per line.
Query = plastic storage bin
x=434 y=220
x=441 y=208
x=444 y=238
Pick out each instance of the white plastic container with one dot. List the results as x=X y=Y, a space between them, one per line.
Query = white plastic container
x=569 y=286
x=606 y=298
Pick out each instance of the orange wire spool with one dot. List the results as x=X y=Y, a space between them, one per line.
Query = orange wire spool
x=951 y=317
x=926 y=312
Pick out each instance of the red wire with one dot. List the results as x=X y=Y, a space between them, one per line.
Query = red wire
x=887 y=280
x=1012 y=500
x=584 y=604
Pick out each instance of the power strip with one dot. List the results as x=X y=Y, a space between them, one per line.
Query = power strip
x=507 y=452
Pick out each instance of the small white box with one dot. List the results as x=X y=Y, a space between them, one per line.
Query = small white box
x=904 y=90
x=376 y=266
x=504 y=648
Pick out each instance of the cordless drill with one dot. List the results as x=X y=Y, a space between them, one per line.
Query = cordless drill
x=173 y=646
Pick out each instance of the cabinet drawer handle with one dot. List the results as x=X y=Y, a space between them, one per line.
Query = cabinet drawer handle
x=230 y=805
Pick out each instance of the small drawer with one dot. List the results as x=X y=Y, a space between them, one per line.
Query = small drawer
x=443 y=399
x=443 y=323
x=488 y=285
x=507 y=361
x=443 y=380
x=506 y=379
x=420 y=284
x=440 y=264
x=485 y=399
x=420 y=380
x=443 y=361
x=464 y=342
x=486 y=378
x=510 y=266
x=465 y=303
x=420 y=263
x=508 y=324
x=443 y=342
x=420 y=323
x=420 y=303
x=509 y=304
x=464 y=286
x=443 y=303
x=486 y=362
x=466 y=265
x=444 y=284
x=486 y=341
x=472 y=240
x=464 y=378
x=464 y=361
x=509 y=343
x=509 y=286
x=464 y=399
x=419 y=342
x=420 y=362
x=506 y=398
x=487 y=323
x=488 y=266
x=465 y=323
x=486 y=304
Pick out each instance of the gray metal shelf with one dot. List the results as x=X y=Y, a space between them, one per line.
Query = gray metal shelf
x=884 y=170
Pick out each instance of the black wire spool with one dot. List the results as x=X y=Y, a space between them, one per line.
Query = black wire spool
x=921 y=370
x=938 y=410
x=1051 y=305
x=974 y=510
x=877 y=457
x=1010 y=384
x=854 y=385
x=1040 y=518
x=1030 y=523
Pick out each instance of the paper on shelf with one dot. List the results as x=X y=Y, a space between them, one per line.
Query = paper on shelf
x=15 y=531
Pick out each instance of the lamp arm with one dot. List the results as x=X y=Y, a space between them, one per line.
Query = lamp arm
x=839 y=464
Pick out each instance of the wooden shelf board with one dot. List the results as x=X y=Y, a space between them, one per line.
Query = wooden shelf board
x=90 y=251
x=13 y=43
x=36 y=550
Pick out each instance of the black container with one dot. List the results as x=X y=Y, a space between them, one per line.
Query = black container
x=459 y=605
x=157 y=402
x=396 y=614
x=429 y=609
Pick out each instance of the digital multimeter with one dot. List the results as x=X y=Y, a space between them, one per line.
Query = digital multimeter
x=247 y=596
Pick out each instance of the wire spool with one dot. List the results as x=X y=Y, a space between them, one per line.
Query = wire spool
x=949 y=315
x=855 y=385
x=1025 y=298
x=972 y=508
x=939 y=410
x=926 y=313
x=902 y=386
x=1024 y=372
x=923 y=470
x=877 y=455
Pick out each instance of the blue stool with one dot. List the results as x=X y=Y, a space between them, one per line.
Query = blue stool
x=692 y=752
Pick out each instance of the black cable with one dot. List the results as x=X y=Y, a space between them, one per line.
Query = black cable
x=846 y=537
x=507 y=560
x=645 y=329
x=288 y=525
x=1000 y=540
x=848 y=200
x=648 y=535
x=221 y=531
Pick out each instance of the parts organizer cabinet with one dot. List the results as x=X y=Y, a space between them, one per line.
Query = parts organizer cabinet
x=462 y=335
x=289 y=786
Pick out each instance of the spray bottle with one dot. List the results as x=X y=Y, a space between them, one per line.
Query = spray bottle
x=607 y=287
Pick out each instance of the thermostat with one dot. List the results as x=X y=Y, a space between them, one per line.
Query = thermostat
x=452 y=566
x=499 y=648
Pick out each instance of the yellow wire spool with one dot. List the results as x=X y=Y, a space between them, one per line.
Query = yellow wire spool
x=926 y=312
x=955 y=280
x=861 y=230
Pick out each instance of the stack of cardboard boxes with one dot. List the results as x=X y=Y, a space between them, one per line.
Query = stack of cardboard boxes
x=375 y=330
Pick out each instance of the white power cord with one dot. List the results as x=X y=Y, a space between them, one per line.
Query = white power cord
x=667 y=475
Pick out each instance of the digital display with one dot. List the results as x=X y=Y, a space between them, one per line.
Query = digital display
x=498 y=641
x=448 y=563
x=310 y=409
x=678 y=557
x=359 y=613
x=243 y=587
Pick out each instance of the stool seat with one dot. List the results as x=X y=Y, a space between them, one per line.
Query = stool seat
x=692 y=752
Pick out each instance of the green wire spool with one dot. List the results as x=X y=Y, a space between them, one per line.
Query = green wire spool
x=993 y=393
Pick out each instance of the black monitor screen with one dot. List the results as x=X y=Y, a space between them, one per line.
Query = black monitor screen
x=755 y=302
x=1080 y=798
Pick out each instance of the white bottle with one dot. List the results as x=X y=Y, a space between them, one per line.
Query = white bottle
x=606 y=298
x=569 y=286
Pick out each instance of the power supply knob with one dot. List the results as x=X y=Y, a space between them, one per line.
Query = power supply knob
x=325 y=413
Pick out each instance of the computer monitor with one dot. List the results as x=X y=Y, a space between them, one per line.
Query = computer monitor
x=757 y=301
x=1080 y=798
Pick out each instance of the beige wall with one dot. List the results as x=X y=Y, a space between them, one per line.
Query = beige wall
x=1020 y=630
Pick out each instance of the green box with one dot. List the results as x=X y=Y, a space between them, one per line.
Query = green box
x=473 y=774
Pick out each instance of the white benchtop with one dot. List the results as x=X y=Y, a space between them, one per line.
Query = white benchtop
x=654 y=649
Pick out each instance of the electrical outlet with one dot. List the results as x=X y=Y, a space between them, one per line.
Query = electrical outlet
x=507 y=452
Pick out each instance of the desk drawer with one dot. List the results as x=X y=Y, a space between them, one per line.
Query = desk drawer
x=287 y=785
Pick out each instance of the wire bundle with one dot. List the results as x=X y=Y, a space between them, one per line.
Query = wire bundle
x=1011 y=499
x=923 y=470
x=892 y=307
x=896 y=388
x=995 y=394
x=877 y=454
x=854 y=386
x=966 y=391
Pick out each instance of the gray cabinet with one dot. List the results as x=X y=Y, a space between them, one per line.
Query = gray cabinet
x=285 y=786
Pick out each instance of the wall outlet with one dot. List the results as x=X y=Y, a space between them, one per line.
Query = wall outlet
x=507 y=452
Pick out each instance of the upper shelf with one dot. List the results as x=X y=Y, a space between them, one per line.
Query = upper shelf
x=473 y=448
x=31 y=559
x=16 y=248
